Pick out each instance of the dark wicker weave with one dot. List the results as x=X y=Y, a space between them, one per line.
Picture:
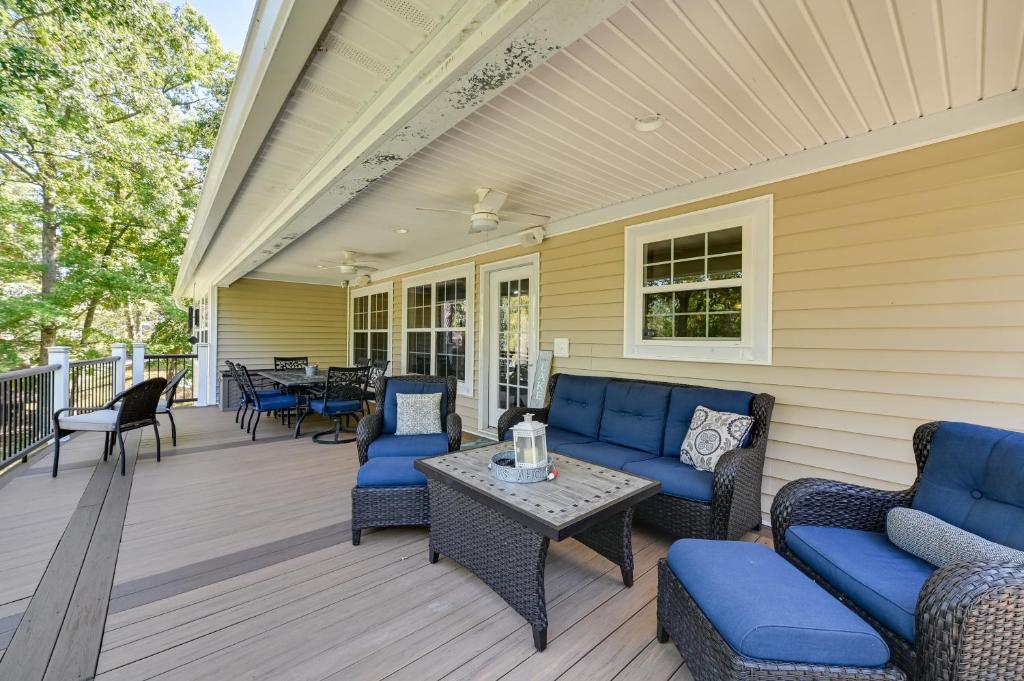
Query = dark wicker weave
x=397 y=506
x=735 y=506
x=709 y=658
x=970 y=616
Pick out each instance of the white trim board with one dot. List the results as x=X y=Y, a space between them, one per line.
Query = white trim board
x=987 y=114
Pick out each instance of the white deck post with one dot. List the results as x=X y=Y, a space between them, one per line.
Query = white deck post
x=201 y=374
x=119 y=350
x=61 y=355
x=138 y=363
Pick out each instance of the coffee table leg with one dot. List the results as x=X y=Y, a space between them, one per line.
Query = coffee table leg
x=612 y=538
x=505 y=555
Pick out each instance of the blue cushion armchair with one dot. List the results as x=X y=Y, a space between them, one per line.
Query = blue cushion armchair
x=389 y=491
x=960 y=621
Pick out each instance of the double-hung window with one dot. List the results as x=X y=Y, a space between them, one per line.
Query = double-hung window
x=438 y=338
x=698 y=286
x=371 y=322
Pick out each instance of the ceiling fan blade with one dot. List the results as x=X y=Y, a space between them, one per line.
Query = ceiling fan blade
x=491 y=200
x=524 y=217
x=446 y=210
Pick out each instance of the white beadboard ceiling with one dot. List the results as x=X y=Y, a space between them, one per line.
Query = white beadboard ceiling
x=739 y=83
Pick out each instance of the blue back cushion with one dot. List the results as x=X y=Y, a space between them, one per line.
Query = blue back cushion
x=974 y=479
x=577 y=404
x=634 y=415
x=410 y=388
x=685 y=400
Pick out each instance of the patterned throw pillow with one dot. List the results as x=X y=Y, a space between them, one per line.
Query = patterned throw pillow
x=712 y=434
x=418 y=414
x=935 y=541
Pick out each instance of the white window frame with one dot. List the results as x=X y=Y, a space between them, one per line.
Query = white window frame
x=755 y=216
x=467 y=271
x=366 y=291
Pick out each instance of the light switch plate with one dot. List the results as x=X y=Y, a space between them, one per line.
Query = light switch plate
x=561 y=348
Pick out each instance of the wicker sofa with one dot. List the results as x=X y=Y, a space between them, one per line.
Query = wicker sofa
x=961 y=621
x=638 y=427
x=389 y=491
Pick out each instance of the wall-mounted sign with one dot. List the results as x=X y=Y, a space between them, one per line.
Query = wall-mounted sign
x=541 y=374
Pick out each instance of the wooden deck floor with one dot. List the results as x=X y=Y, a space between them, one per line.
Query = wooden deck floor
x=235 y=561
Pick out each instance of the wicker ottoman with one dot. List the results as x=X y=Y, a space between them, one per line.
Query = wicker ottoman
x=736 y=610
x=389 y=492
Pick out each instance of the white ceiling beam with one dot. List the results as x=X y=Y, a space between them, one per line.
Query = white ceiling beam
x=282 y=34
x=483 y=48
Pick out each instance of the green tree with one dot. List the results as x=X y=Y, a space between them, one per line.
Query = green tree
x=108 y=113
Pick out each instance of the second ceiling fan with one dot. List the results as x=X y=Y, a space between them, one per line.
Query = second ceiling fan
x=487 y=215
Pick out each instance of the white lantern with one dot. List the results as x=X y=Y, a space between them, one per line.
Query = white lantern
x=531 y=443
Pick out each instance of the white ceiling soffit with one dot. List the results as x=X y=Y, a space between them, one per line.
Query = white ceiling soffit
x=740 y=83
x=477 y=51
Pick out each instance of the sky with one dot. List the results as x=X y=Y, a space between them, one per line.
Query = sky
x=230 y=18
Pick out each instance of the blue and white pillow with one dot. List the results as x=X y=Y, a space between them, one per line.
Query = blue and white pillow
x=712 y=434
x=418 y=414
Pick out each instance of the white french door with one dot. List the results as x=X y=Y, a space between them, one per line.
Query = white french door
x=512 y=337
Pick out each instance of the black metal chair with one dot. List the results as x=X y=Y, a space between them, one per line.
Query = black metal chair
x=378 y=368
x=291 y=362
x=246 y=400
x=262 y=402
x=166 y=403
x=362 y=362
x=342 y=397
x=129 y=410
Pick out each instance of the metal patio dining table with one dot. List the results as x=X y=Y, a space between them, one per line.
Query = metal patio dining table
x=293 y=378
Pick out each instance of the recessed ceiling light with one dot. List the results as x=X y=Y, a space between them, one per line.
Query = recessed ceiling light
x=648 y=122
x=400 y=230
x=322 y=267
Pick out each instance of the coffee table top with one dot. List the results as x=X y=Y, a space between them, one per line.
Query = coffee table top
x=582 y=494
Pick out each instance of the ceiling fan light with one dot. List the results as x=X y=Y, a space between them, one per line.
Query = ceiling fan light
x=347 y=269
x=648 y=122
x=483 y=222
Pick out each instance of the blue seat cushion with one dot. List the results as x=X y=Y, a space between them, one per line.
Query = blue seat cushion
x=394 y=387
x=390 y=471
x=263 y=394
x=872 y=572
x=974 y=479
x=634 y=415
x=329 y=407
x=275 y=402
x=792 y=620
x=604 y=453
x=408 y=445
x=558 y=438
x=577 y=404
x=685 y=399
x=677 y=479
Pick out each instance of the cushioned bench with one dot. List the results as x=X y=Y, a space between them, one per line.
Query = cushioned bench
x=737 y=610
x=639 y=426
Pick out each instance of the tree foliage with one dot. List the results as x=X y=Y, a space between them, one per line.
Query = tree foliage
x=108 y=113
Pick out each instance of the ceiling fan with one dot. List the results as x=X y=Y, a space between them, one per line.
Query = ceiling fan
x=349 y=264
x=485 y=216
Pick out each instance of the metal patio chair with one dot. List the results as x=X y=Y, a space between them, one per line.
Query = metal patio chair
x=341 y=398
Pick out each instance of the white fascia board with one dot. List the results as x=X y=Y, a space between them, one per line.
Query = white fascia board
x=482 y=49
x=281 y=36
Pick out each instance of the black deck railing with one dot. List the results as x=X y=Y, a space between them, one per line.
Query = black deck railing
x=167 y=366
x=91 y=382
x=26 y=410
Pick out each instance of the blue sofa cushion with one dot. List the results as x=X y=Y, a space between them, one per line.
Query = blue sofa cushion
x=677 y=479
x=634 y=415
x=408 y=445
x=275 y=402
x=872 y=572
x=793 y=620
x=605 y=453
x=335 y=406
x=390 y=471
x=557 y=438
x=577 y=404
x=684 y=400
x=409 y=388
x=974 y=479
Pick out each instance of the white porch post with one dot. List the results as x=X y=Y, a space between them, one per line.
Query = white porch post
x=60 y=354
x=119 y=350
x=201 y=374
x=138 y=363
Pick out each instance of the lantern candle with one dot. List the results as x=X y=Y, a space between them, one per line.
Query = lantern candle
x=530 y=443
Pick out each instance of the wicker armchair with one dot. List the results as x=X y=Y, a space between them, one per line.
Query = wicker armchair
x=389 y=491
x=969 y=616
x=735 y=506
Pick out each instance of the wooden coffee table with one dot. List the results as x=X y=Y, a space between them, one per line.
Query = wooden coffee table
x=500 y=531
